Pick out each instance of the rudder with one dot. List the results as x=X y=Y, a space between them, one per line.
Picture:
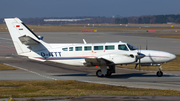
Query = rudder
x=22 y=36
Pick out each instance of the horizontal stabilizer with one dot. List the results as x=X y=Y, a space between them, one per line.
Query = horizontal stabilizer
x=28 y=40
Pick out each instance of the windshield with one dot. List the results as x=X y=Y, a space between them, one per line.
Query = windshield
x=123 y=47
x=131 y=47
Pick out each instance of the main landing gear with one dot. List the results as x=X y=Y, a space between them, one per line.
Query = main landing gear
x=109 y=72
x=159 y=73
x=99 y=73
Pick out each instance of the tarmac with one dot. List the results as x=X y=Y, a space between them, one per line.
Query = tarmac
x=100 y=98
x=33 y=70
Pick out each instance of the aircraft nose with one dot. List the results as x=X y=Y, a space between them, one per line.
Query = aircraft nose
x=172 y=57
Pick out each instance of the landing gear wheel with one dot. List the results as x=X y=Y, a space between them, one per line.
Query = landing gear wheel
x=99 y=73
x=108 y=72
x=159 y=73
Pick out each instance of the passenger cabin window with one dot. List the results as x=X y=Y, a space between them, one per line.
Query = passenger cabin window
x=111 y=47
x=70 y=48
x=65 y=49
x=98 y=47
x=87 y=48
x=122 y=47
x=78 y=48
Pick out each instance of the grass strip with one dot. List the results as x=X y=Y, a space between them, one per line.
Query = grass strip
x=175 y=37
x=132 y=30
x=171 y=66
x=6 y=67
x=70 y=88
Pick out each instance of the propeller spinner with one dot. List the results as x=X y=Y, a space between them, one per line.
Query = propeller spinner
x=138 y=58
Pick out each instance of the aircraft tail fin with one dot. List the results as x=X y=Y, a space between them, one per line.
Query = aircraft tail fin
x=23 y=38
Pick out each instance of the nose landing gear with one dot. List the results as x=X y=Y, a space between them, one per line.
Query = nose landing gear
x=159 y=73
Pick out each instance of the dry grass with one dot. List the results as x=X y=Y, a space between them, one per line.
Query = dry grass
x=131 y=30
x=100 y=29
x=5 y=67
x=171 y=66
x=3 y=28
x=70 y=88
x=124 y=25
x=175 y=37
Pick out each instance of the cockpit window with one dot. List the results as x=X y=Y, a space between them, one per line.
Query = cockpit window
x=123 y=47
x=131 y=47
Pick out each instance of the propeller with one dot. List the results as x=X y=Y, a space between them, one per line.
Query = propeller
x=140 y=55
x=138 y=58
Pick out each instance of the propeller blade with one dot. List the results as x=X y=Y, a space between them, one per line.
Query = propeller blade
x=138 y=57
x=136 y=66
x=139 y=64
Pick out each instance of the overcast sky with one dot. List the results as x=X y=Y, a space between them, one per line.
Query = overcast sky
x=74 y=8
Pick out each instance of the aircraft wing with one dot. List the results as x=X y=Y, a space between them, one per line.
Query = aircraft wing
x=28 y=40
x=96 y=61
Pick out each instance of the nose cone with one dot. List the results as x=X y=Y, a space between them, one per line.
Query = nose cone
x=157 y=56
x=172 y=57
x=169 y=57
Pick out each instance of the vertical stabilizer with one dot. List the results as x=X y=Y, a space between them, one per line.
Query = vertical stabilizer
x=23 y=38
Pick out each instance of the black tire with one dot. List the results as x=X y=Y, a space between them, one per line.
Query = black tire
x=99 y=73
x=159 y=73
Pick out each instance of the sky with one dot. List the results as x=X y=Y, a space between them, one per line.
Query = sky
x=75 y=8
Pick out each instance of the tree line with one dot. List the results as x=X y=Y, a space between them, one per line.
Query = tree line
x=147 y=19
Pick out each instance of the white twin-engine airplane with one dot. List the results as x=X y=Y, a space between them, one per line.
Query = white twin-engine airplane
x=104 y=55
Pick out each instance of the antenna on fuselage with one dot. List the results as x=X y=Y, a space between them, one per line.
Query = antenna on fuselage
x=84 y=41
x=146 y=45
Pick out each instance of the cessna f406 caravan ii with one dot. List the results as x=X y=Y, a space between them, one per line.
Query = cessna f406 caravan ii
x=104 y=55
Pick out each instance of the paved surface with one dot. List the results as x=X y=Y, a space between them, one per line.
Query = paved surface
x=33 y=70
x=100 y=98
